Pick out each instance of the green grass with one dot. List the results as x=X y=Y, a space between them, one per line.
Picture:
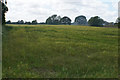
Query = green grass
x=60 y=51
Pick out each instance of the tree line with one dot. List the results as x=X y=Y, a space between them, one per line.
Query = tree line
x=79 y=20
x=58 y=20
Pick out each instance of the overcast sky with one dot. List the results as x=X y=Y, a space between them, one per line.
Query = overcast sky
x=29 y=10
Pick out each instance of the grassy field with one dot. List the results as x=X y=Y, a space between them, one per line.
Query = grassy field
x=60 y=51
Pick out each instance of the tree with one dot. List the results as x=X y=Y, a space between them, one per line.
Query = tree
x=8 y=22
x=96 y=21
x=49 y=21
x=119 y=22
x=20 y=22
x=54 y=19
x=4 y=10
x=28 y=23
x=80 y=20
x=34 y=22
x=65 y=20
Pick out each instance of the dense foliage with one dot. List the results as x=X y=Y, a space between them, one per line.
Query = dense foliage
x=65 y=20
x=80 y=20
x=96 y=21
x=4 y=10
x=54 y=19
x=119 y=22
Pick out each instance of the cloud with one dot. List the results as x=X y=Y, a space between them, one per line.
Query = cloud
x=41 y=10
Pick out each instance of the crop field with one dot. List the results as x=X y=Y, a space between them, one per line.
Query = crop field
x=60 y=51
